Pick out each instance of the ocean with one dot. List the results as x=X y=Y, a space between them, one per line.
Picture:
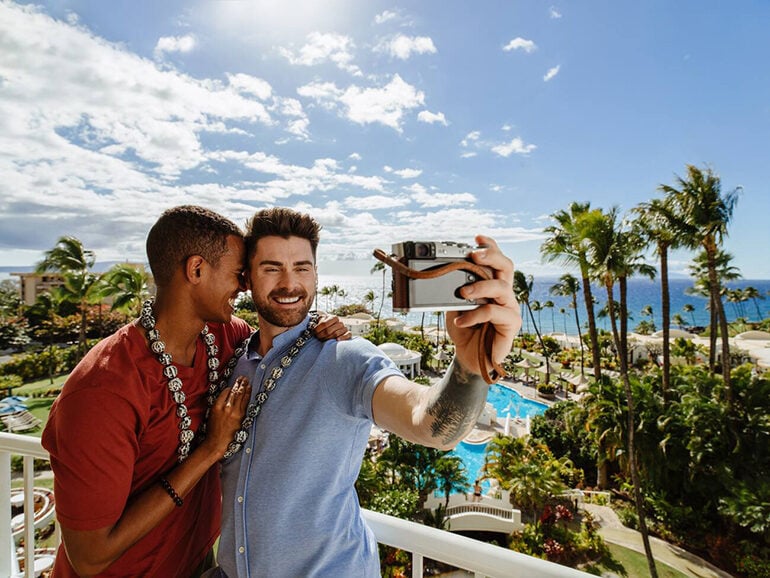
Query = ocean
x=641 y=292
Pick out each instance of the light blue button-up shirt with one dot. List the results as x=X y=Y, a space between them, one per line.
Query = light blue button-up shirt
x=290 y=508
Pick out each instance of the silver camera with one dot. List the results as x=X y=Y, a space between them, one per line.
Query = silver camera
x=440 y=293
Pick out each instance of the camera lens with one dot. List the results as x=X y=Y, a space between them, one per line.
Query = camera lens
x=421 y=250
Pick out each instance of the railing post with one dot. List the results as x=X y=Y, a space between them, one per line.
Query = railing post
x=29 y=516
x=7 y=546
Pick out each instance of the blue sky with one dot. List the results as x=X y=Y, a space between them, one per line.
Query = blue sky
x=430 y=120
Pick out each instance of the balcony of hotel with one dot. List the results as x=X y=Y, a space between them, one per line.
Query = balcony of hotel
x=35 y=505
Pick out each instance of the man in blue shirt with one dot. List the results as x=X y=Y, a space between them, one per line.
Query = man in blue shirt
x=290 y=507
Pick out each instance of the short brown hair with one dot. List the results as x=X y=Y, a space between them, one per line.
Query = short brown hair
x=182 y=232
x=281 y=222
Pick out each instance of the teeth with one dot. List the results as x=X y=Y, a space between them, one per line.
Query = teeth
x=287 y=300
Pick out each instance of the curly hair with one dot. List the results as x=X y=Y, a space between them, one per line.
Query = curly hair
x=281 y=222
x=182 y=232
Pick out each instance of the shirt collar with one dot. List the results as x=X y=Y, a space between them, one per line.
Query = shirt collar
x=280 y=341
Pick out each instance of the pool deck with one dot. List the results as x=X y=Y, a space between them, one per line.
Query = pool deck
x=517 y=427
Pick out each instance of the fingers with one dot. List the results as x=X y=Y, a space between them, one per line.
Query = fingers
x=330 y=327
x=238 y=395
x=491 y=256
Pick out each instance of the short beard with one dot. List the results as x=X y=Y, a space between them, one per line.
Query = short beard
x=282 y=318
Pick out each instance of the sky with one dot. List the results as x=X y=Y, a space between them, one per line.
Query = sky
x=431 y=120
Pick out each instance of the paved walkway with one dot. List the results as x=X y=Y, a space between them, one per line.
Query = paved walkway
x=613 y=531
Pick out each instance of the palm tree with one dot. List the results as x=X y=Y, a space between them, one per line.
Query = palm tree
x=754 y=294
x=369 y=299
x=702 y=287
x=566 y=245
x=450 y=473
x=657 y=224
x=706 y=213
x=127 y=285
x=522 y=288
x=568 y=286
x=74 y=263
x=549 y=305
x=379 y=266
x=689 y=308
x=615 y=253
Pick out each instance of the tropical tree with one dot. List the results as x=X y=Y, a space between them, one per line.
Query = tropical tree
x=369 y=299
x=127 y=285
x=753 y=293
x=522 y=288
x=705 y=213
x=379 y=266
x=450 y=477
x=657 y=223
x=699 y=269
x=74 y=263
x=615 y=253
x=689 y=308
x=568 y=286
x=565 y=244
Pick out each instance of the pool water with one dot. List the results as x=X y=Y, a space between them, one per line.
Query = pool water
x=506 y=401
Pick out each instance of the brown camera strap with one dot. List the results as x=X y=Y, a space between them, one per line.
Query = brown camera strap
x=490 y=370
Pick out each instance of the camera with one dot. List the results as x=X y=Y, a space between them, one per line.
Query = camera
x=437 y=294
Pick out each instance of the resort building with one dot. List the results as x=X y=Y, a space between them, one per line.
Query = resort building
x=408 y=361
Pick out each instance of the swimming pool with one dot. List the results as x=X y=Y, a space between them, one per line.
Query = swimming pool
x=506 y=401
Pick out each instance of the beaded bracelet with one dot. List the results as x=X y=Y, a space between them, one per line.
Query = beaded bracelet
x=171 y=492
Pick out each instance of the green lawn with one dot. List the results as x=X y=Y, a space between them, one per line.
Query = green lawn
x=40 y=407
x=636 y=564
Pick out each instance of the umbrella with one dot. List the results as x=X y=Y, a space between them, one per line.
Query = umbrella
x=527 y=365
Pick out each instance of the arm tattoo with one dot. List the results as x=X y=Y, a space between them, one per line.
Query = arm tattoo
x=456 y=403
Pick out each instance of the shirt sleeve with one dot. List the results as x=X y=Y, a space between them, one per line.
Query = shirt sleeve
x=359 y=368
x=92 y=439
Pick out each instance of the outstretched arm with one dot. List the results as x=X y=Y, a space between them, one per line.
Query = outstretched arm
x=443 y=414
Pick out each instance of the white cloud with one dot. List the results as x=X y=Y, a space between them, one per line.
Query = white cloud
x=386 y=105
x=385 y=16
x=182 y=44
x=323 y=47
x=551 y=73
x=553 y=12
x=468 y=155
x=403 y=47
x=470 y=138
x=250 y=85
x=433 y=199
x=516 y=146
x=355 y=156
x=432 y=117
x=519 y=43
x=408 y=173
x=375 y=202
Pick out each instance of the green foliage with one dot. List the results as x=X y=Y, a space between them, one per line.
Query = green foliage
x=37 y=365
x=350 y=309
x=14 y=333
x=553 y=539
x=10 y=381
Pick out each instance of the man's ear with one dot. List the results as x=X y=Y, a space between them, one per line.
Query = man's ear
x=192 y=268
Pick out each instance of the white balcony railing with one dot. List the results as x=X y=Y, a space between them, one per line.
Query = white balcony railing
x=423 y=542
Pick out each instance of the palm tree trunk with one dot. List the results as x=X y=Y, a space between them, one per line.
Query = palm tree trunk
x=720 y=312
x=580 y=335
x=622 y=346
x=608 y=284
x=712 y=332
x=593 y=334
x=542 y=344
x=665 y=305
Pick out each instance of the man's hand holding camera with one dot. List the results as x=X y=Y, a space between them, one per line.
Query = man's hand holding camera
x=501 y=309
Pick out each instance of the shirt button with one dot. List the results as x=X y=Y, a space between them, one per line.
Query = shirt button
x=240 y=499
x=241 y=550
x=248 y=450
x=262 y=366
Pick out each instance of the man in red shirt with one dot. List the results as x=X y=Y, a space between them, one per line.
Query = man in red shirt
x=136 y=493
